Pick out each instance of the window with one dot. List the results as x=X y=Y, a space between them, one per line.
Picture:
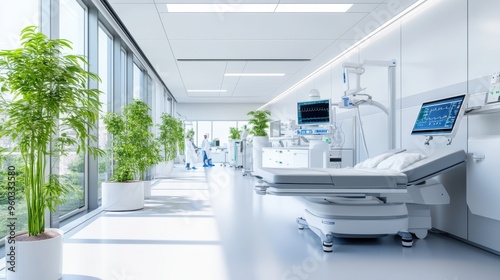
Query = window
x=105 y=73
x=138 y=82
x=72 y=26
x=123 y=77
x=221 y=131
x=203 y=127
x=14 y=16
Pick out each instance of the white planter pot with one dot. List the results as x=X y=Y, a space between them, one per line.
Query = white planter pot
x=258 y=143
x=123 y=196
x=37 y=259
x=164 y=169
x=147 y=189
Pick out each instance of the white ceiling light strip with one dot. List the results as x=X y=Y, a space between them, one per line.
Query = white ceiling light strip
x=258 y=8
x=330 y=63
x=313 y=8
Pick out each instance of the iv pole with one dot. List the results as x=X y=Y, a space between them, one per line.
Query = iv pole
x=358 y=69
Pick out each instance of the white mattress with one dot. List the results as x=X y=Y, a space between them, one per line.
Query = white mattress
x=345 y=178
x=334 y=178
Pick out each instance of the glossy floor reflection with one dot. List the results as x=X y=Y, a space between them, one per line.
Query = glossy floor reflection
x=209 y=224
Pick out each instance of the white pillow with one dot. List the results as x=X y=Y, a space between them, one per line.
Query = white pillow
x=400 y=161
x=374 y=161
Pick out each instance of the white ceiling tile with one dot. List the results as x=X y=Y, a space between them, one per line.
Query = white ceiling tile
x=274 y=67
x=254 y=90
x=200 y=73
x=331 y=1
x=376 y=18
x=220 y=1
x=202 y=94
x=141 y=20
x=248 y=49
x=315 y=36
x=159 y=54
x=255 y=26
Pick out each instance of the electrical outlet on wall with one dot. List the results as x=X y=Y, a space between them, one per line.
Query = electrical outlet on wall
x=494 y=93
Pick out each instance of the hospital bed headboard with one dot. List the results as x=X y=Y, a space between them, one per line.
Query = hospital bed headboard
x=434 y=164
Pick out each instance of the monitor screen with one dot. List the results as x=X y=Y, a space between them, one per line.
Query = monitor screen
x=313 y=112
x=440 y=117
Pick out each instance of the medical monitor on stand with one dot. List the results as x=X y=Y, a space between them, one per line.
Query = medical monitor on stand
x=440 y=117
x=314 y=112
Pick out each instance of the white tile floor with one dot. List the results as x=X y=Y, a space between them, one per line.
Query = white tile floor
x=209 y=224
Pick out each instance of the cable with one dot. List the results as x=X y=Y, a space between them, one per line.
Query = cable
x=362 y=132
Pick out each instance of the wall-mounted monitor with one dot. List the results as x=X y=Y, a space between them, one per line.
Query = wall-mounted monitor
x=314 y=112
x=440 y=117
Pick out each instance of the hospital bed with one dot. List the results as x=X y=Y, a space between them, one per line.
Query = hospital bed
x=369 y=200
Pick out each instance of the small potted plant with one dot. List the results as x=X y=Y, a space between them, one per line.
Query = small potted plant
x=131 y=144
x=234 y=133
x=171 y=138
x=51 y=112
x=259 y=122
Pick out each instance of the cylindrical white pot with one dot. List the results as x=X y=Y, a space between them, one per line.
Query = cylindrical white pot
x=34 y=259
x=123 y=196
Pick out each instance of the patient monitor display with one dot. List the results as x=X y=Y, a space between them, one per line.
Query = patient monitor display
x=440 y=117
x=313 y=112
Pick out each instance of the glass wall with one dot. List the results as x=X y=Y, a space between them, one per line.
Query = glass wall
x=105 y=72
x=203 y=127
x=112 y=54
x=216 y=129
x=123 y=77
x=14 y=16
x=220 y=130
x=138 y=82
x=72 y=26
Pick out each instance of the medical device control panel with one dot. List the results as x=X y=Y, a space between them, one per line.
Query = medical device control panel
x=318 y=131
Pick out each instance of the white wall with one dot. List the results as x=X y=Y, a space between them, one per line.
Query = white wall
x=443 y=48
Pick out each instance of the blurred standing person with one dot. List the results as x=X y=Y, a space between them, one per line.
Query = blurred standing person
x=205 y=148
x=191 y=155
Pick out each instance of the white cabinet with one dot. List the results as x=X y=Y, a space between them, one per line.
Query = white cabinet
x=299 y=158
x=284 y=158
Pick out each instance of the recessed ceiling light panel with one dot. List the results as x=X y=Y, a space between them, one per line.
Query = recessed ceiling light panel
x=258 y=8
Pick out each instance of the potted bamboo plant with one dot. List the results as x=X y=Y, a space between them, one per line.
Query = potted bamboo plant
x=171 y=138
x=50 y=112
x=259 y=122
x=133 y=149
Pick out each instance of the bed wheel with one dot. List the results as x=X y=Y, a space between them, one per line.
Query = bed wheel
x=420 y=233
x=327 y=247
x=407 y=242
x=301 y=223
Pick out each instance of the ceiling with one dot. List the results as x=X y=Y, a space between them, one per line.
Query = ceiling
x=192 y=51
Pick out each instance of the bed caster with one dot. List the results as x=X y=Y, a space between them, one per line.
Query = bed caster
x=406 y=239
x=301 y=223
x=407 y=243
x=420 y=233
x=327 y=247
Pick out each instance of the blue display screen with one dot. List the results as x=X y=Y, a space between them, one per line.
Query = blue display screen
x=313 y=112
x=438 y=117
